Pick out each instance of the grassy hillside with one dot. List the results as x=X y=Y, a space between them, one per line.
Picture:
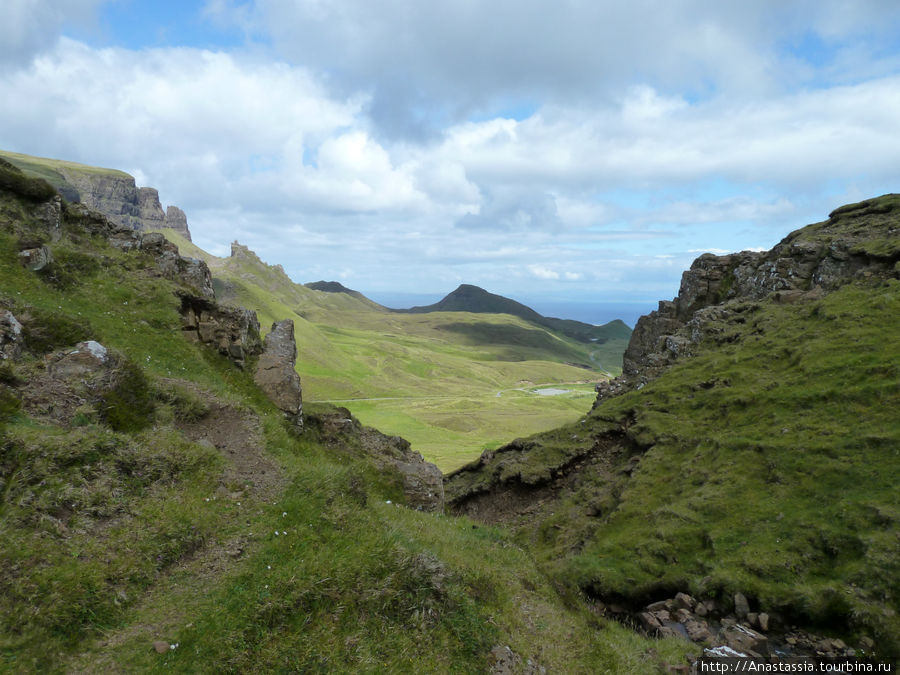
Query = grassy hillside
x=767 y=464
x=452 y=383
x=171 y=506
x=49 y=170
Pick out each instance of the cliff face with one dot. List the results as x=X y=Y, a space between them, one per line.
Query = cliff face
x=118 y=198
x=857 y=241
x=112 y=193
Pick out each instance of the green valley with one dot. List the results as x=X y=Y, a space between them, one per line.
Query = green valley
x=166 y=504
x=453 y=383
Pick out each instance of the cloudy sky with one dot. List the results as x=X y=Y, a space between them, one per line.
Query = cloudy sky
x=582 y=150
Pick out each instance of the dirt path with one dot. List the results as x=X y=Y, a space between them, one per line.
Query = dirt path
x=250 y=479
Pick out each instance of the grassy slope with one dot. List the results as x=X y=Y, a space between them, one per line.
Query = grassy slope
x=106 y=536
x=768 y=465
x=49 y=169
x=440 y=371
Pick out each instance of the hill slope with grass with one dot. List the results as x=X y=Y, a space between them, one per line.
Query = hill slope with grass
x=159 y=514
x=452 y=383
x=750 y=447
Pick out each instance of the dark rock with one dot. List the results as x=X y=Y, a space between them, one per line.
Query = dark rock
x=160 y=647
x=745 y=639
x=741 y=606
x=683 y=600
x=649 y=623
x=234 y=332
x=698 y=631
x=682 y=615
x=662 y=615
x=275 y=373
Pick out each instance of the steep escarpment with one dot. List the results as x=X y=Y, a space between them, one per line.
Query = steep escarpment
x=107 y=191
x=746 y=460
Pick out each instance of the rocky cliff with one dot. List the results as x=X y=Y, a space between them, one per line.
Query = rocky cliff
x=118 y=198
x=857 y=241
x=113 y=193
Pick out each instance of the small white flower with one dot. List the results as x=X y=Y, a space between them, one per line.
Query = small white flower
x=388 y=501
x=268 y=567
x=276 y=533
x=284 y=532
x=284 y=514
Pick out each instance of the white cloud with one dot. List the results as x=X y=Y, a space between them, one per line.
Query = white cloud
x=371 y=148
x=28 y=27
x=459 y=57
x=543 y=272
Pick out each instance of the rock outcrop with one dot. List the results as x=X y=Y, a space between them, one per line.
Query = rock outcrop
x=857 y=241
x=420 y=481
x=10 y=335
x=275 y=373
x=734 y=632
x=36 y=258
x=177 y=220
x=233 y=331
x=115 y=194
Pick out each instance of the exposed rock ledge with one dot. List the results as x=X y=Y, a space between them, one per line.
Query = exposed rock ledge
x=857 y=241
x=117 y=197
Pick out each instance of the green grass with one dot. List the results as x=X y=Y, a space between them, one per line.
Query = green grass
x=115 y=534
x=430 y=378
x=768 y=466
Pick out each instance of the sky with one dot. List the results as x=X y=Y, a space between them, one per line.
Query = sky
x=569 y=151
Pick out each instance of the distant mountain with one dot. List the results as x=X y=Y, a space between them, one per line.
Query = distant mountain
x=334 y=287
x=469 y=298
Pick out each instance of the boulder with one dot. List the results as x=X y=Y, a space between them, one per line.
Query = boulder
x=741 y=606
x=744 y=639
x=275 y=373
x=36 y=259
x=10 y=335
x=698 y=631
x=87 y=359
x=684 y=601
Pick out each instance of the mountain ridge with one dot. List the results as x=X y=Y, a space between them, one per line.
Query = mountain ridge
x=471 y=298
